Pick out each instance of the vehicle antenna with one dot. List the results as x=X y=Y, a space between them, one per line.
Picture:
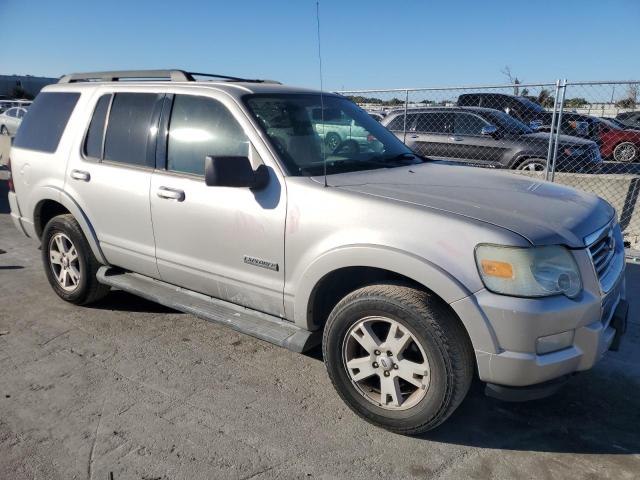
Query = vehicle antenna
x=323 y=146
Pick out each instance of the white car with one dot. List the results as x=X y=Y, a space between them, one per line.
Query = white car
x=10 y=120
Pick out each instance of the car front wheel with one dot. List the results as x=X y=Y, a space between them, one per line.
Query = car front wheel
x=398 y=357
x=625 y=152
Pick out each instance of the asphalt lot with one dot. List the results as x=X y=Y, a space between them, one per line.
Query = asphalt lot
x=130 y=388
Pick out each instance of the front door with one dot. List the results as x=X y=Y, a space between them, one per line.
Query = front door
x=429 y=136
x=220 y=241
x=469 y=144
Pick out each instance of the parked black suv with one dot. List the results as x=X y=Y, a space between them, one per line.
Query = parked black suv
x=630 y=119
x=533 y=114
x=489 y=138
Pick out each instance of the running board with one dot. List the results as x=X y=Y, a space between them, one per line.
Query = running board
x=257 y=324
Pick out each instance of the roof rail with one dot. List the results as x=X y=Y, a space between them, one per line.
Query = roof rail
x=170 y=75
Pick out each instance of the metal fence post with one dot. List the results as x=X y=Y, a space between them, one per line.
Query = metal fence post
x=559 y=126
x=551 y=136
x=404 y=128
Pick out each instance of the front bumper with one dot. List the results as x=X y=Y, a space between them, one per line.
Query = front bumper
x=597 y=323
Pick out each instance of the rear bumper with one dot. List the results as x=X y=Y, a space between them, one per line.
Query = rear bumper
x=15 y=213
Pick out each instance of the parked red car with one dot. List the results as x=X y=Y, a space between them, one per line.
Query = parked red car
x=621 y=145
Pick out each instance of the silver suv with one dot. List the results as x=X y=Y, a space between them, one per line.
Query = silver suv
x=221 y=198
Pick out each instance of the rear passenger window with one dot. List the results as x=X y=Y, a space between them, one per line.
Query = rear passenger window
x=128 y=131
x=95 y=134
x=436 y=122
x=201 y=126
x=42 y=127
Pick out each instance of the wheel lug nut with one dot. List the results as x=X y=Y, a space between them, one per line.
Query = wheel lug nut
x=375 y=364
x=377 y=352
x=395 y=366
x=389 y=353
x=386 y=374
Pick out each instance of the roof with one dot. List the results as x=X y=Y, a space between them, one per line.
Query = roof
x=443 y=109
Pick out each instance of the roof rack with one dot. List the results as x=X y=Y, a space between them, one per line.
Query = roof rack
x=170 y=75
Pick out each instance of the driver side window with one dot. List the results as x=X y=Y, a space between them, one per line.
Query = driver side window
x=201 y=126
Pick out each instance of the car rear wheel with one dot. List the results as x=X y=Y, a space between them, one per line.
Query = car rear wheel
x=398 y=357
x=332 y=141
x=625 y=152
x=4 y=130
x=69 y=263
x=532 y=165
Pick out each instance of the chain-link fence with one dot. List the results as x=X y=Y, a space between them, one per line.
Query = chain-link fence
x=582 y=134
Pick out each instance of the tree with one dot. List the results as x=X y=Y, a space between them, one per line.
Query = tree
x=512 y=79
x=575 y=102
x=632 y=97
x=545 y=98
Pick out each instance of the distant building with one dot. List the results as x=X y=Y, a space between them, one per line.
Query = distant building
x=30 y=85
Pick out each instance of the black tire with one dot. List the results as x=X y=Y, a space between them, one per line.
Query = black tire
x=3 y=130
x=88 y=288
x=332 y=141
x=441 y=335
x=532 y=164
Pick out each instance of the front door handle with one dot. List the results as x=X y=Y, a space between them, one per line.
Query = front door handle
x=456 y=139
x=171 y=193
x=414 y=136
x=80 y=175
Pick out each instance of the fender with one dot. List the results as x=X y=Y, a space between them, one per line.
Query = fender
x=63 y=198
x=411 y=266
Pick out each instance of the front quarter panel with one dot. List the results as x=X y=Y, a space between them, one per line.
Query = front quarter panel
x=329 y=228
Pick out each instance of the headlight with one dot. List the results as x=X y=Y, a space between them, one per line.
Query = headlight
x=528 y=272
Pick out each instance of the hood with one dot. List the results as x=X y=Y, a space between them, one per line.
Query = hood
x=542 y=212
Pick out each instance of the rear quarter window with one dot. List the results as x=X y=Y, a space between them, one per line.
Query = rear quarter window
x=45 y=121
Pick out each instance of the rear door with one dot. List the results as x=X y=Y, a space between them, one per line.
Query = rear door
x=109 y=175
x=429 y=136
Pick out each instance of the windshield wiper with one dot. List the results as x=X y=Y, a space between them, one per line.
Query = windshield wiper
x=404 y=156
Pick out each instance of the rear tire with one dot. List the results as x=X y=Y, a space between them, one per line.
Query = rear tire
x=625 y=152
x=4 y=130
x=69 y=263
x=407 y=390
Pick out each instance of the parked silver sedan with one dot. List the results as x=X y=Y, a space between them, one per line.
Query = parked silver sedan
x=10 y=120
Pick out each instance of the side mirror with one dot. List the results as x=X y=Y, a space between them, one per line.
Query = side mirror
x=489 y=130
x=234 y=172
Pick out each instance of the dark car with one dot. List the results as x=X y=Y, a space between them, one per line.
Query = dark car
x=489 y=138
x=630 y=119
x=532 y=113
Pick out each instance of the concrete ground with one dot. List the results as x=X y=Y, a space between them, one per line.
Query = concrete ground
x=127 y=389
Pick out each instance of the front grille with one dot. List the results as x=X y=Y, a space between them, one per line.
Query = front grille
x=602 y=252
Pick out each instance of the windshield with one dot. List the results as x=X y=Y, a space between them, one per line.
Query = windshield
x=507 y=124
x=305 y=134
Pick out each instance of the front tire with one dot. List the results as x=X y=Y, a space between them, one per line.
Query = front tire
x=398 y=357
x=532 y=165
x=4 y=130
x=69 y=263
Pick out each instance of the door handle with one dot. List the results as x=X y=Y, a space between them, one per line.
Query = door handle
x=171 y=193
x=80 y=175
x=414 y=136
x=456 y=139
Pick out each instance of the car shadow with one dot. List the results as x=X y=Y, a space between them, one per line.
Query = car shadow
x=119 y=300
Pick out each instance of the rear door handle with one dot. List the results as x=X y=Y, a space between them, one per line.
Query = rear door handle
x=80 y=175
x=414 y=136
x=171 y=193
x=456 y=139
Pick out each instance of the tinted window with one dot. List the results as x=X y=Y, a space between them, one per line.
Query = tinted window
x=398 y=122
x=466 y=124
x=93 y=141
x=20 y=112
x=128 y=131
x=11 y=112
x=199 y=127
x=435 y=122
x=47 y=118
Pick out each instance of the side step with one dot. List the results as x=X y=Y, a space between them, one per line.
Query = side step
x=257 y=324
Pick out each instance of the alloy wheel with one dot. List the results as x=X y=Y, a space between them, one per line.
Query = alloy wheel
x=392 y=373
x=625 y=152
x=64 y=262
